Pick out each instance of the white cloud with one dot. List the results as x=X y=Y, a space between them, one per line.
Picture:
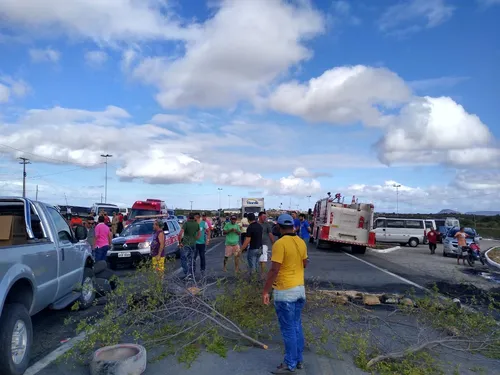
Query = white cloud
x=44 y=55
x=413 y=15
x=4 y=93
x=488 y=3
x=96 y=58
x=342 y=95
x=432 y=83
x=463 y=194
x=238 y=53
x=10 y=87
x=163 y=118
x=103 y=21
x=342 y=12
x=160 y=155
x=436 y=129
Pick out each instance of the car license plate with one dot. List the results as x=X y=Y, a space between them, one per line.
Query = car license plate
x=124 y=255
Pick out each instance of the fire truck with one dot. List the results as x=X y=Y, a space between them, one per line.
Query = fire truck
x=149 y=207
x=343 y=224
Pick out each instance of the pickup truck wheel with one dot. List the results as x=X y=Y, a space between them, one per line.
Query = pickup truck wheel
x=88 y=289
x=16 y=337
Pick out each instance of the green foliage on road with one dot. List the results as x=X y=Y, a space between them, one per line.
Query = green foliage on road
x=222 y=315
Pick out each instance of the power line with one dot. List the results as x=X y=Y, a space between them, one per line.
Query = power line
x=37 y=155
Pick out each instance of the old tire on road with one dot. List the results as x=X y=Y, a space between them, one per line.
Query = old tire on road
x=121 y=359
x=16 y=338
x=88 y=289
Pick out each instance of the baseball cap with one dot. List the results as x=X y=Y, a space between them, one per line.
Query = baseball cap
x=233 y=217
x=286 y=220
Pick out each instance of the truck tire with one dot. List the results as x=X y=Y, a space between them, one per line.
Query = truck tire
x=15 y=322
x=88 y=289
x=413 y=242
x=358 y=249
x=320 y=244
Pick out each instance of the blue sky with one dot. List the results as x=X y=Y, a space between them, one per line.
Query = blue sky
x=282 y=99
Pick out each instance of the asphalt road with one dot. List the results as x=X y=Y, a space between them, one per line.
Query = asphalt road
x=385 y=273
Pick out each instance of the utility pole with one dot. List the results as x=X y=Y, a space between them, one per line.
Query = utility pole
x=36 y=195
x=219 y=190
x=397 y=186
x=308 y=201
x=106 y=156
x=290 y=205
x=24 y=161
x=191 y=206
x=229 y=201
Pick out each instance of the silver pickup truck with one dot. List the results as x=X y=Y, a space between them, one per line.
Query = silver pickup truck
x=43 y=263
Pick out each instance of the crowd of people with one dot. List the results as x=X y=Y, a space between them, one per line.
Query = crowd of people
x=285 y=243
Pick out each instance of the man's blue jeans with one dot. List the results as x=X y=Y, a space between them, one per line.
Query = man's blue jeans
x=101 y=253
x=187 y=259
x=253 y=256
x=290 y=320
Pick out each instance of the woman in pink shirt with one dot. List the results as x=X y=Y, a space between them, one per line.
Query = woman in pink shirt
x=103 y=238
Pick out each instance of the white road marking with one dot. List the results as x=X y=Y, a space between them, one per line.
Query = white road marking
x=55 y=354
x=388 y=272
x=385 y=251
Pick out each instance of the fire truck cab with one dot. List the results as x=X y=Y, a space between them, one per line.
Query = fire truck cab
x=343 y=224
x=149 y=207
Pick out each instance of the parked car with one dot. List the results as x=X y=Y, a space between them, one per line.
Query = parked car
x=400 y=230
x=181 y=219
x=450 y=243
x=43 y=264
x=133 y=244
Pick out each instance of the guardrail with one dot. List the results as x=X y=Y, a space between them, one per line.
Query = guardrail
x=491 y=262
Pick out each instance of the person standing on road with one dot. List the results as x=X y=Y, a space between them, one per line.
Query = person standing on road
x=296 y=223
x=232 y=232
x=244 y=223
x=432 y=238
x=103 y=239
x=188 y=236
x=114 y=224
x=305 y=228
x=253 y=241
x=286 y=277
x=267 y=240
x=462 y=244
x=158 y=247
x=201 y=244
x=89 y=224
x=119 y=228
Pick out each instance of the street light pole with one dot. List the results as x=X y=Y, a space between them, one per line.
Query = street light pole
x=397 y=186
x=191 y=206
x=106 y=156
x=219 y=190
x=309 y=201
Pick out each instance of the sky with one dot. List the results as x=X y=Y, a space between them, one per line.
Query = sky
x=205 y=102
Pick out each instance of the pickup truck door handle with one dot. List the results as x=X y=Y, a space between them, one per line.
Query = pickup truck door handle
x=62 y=252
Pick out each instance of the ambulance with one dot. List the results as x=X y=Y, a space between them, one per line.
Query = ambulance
x=343 y=224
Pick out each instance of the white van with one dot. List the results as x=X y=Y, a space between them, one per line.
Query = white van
x=400 y=230
x=106 y=207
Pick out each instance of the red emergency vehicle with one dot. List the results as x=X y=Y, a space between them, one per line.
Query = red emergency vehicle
x=340 y=223
x=149 y=207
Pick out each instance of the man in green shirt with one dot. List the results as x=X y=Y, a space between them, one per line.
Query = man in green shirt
x=188 y=236
x=232 y=232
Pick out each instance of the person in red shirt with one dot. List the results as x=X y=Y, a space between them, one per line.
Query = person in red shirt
x=75 y=220
x=432 y=237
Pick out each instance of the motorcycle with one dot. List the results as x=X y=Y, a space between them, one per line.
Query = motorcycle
x=474 y=253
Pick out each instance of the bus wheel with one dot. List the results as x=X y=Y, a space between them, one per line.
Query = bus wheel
x=358 y=249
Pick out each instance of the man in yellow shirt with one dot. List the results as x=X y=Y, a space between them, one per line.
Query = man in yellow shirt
x=286 y=277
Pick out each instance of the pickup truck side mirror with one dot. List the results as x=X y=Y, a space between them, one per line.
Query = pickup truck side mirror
x=80 y=233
